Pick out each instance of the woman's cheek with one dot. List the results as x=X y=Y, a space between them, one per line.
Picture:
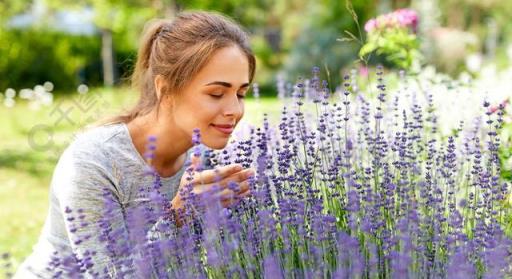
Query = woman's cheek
x=242 y=108
x=243 y=112
x=203 y=105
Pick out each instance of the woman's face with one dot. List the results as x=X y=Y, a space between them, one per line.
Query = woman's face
x=213 y=101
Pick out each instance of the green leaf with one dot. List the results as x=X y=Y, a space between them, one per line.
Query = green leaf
x=367 y=48
x=345 y=39
x=352 y=36
x=351 y=10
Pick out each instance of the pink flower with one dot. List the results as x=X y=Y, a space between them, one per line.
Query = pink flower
x=370 y=25
x=405 y=18
x=503 y=104
x=363 y=71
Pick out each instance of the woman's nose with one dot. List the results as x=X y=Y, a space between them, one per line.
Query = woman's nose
x=233 y=107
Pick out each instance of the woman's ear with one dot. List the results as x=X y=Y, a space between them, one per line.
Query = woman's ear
x=160 y=86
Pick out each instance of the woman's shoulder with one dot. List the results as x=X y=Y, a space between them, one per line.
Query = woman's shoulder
x=93 y=154
x=100 y=134
x=97 y=142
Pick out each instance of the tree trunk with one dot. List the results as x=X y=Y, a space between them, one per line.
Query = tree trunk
x=273 y=37
x=107 y=57
x=491 y=39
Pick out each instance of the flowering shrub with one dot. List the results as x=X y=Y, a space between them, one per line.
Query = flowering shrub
x=346 y=187
x=393 y=36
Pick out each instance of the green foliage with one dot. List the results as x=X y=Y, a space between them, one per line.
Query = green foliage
x=34 y=56
x=505 y=152
x=317 y=43
x=12 y=7
x=283 y=32
x=398 y=46
x=321 y=49
x=114 y=15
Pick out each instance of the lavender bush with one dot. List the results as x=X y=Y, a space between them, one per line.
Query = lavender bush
x=347 y=186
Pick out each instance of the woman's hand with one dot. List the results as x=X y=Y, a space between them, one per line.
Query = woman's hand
x=217 y=183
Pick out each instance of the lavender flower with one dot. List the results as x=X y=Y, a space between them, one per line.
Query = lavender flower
x=338 y=194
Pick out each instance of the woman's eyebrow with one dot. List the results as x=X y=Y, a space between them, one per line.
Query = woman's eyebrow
x=225 y=84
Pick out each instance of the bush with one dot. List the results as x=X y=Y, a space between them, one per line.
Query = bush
x=34 y=56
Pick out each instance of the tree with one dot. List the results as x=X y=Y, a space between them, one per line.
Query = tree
x=114 y=17
x=8 y=8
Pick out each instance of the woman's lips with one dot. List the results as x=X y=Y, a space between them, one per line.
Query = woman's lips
x=225 y=129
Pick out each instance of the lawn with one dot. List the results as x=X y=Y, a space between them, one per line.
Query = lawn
x=31 y=142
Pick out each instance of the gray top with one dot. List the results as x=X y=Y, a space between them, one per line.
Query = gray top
x=103 y=156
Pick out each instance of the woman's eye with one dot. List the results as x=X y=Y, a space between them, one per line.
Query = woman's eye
x=220 y=96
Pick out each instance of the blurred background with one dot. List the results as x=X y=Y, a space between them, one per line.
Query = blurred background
x=94 y=42
x=65 y=63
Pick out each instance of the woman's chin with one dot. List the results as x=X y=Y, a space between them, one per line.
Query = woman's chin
x=217 y=144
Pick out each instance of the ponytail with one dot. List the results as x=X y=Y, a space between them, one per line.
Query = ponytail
x=142 y=77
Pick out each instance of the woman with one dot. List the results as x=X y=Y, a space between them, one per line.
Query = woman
x=192 y=72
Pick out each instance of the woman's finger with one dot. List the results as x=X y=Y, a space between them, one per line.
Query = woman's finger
x=226 y=194
x=244 y=194
x=221 y=192
x=240 y=187
x=228 y=197
x=236 y=198
x=238 y=177
x=208 y=189
x=195 y=161
x=216 y=175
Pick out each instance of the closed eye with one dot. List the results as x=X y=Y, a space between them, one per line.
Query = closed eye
x=241 y=94
x=220 y=96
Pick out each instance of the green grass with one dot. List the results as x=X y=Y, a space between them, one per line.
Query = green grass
x=26 y=168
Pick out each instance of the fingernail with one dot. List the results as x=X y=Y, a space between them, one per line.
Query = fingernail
x=249 y=173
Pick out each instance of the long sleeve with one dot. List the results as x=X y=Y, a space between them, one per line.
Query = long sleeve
x=102 y=209
x=93 y=216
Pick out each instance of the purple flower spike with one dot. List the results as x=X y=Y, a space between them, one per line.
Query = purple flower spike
x=196 y=136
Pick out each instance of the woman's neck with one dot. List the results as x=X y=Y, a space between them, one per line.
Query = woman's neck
x=170 y=153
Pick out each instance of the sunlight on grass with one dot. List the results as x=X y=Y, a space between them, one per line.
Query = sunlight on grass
x=24 y=200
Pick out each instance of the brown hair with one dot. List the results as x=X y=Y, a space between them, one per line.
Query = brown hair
x=178 y=49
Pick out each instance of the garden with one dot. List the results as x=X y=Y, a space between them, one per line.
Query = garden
x=382 y=149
